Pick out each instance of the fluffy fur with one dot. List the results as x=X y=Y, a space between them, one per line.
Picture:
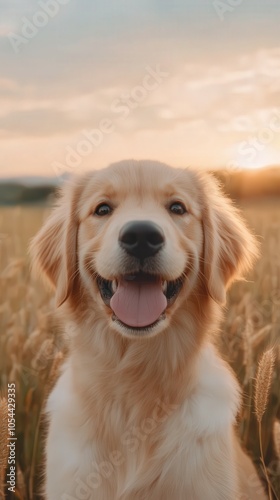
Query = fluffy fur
x=137 y=417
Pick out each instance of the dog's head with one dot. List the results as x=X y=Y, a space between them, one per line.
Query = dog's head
x=137 y=239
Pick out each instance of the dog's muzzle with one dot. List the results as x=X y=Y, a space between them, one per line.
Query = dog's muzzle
x=140 y=299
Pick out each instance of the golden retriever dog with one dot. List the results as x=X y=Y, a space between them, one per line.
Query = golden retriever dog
x=140 y=255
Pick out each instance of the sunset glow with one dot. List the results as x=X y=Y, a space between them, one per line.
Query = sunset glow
x=267 y=157
x=139 y=84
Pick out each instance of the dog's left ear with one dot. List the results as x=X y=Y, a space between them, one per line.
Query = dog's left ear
x=229 y=247
x=54 y=248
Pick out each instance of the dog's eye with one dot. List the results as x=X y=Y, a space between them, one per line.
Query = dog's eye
x=178 y=208
x=103 y=209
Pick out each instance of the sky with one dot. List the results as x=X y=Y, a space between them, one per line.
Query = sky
x=84 y=83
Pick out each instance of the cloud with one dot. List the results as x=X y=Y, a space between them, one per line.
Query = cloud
x=36 y=123
x=92 y=53
x=203 y=92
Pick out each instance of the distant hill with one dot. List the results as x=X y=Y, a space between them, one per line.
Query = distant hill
x=241 y=184
x=14 y=193
x=33 y=180
x=29 y=189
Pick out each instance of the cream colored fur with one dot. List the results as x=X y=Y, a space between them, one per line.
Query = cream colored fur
x=151 y=417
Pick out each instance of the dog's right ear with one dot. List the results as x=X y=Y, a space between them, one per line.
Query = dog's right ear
x=229 y=247
x=54 y=248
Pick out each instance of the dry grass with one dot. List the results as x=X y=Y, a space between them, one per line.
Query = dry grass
x=262 y=391
x=276 y=435
x=263 y=382
x=31 y=349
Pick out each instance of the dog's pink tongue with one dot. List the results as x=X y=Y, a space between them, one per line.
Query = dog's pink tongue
x=138 y=304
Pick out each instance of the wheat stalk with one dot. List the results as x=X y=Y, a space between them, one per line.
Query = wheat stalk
x=262 y=389
x=247 y=350
x=21 y=483
x=276 y=438
x=263 y=382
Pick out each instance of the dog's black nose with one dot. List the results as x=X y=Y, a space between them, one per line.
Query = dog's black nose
x=141 y=239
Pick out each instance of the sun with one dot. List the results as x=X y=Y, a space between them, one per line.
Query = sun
x=252 y=158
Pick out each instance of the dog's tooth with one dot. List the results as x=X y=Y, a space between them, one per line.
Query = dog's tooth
x=164 y=286
x=114 y=285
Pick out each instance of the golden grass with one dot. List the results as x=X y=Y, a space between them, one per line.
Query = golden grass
x=31 y=349
x=276 y=435
x=263 y=382
x=262 y=392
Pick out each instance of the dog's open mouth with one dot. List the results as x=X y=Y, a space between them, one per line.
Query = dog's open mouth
x=139 y=301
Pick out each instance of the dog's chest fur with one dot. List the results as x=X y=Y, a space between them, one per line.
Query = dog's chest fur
x=138 y=444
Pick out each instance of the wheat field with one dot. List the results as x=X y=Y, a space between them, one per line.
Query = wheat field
x=31 y=348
